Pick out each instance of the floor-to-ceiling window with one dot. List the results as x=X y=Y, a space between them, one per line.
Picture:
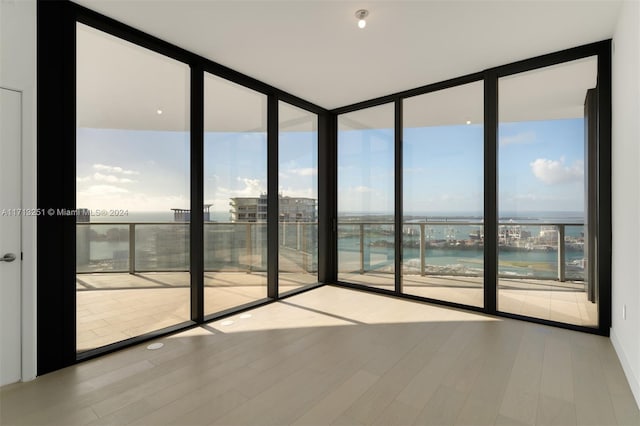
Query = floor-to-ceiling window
x=297 y=197
x=366 y=170
x=235 y=195
x=544 y=193
x=503 y=192
x=443 y=195
x=132 y=183
x=116 y=260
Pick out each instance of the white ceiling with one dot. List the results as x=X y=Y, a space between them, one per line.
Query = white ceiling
x=313 y=49
x=555 y=92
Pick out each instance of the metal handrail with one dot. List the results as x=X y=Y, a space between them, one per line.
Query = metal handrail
x=365 y=254
x=132 y=227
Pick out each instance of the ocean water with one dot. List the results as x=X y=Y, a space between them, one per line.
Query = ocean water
x=380 y=255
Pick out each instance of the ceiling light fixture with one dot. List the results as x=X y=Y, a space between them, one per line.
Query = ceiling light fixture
x=159 y=111
x=361 y=14
x=468 y=121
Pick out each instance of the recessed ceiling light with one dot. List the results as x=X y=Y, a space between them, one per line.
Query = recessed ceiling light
x=159 y=111
x=245 y=316
x=361 y=14
x=468 y=121
x=227 y=322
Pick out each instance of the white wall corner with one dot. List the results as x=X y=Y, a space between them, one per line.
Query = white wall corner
x=626 y=201
x=632 y=376
x=18 y=72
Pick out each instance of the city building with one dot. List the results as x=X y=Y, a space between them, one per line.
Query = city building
x=323 y=321
x=184 y=215
x=292 y=209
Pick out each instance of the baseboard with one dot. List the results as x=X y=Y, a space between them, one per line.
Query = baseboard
x=626 y=367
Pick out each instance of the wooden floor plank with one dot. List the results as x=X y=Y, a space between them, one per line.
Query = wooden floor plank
x=339 y=356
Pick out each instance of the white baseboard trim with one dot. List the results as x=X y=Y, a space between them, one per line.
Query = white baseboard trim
x=634 y=382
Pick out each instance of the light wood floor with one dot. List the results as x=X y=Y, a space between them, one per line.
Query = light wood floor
x=339 y=356
x=115 y=306
x=546 y=299
x=111 y=307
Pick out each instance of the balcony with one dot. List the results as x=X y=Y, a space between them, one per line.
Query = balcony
x=133 y=278
x=444 y=260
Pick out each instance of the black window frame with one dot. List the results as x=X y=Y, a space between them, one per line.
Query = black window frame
x=56 y=164
x=600 y=192
x=56 y=179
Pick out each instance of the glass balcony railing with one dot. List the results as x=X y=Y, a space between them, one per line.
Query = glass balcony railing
x=526 y=249
x=456 y=248
x=164 y=247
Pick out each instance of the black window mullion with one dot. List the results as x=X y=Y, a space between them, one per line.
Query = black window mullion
x=398 y=195
x=272 y=197
x=55 y=181
x=196 y=225
x=490 y=191
x=327 y=198
x=603 y=189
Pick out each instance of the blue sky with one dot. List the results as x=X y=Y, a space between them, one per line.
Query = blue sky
x=541 y=165
x=149 y=171
x=540 y=168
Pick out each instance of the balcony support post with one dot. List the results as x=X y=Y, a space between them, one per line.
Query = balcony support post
x=283 y=234
x=132 y=248
x=249 y=247
x=423 y=248
x=361 y=228
x=561 y=253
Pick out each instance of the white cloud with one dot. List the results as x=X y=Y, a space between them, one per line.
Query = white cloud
x=114 y=169
x=518 y=138
x=220 y=195
x=94 y=190
x=252 y=188
x=110 y=178
x=554 y=171
x=362 y=189
x=83 y=179
x=308 y=171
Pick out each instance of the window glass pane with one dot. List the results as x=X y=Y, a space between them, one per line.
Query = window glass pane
x=366 y=248
x=132 y=165
x=543 y=231
x=443 y=235
x=298 y=197
x=235 y=195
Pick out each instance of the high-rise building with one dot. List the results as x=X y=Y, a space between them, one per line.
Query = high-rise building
x=291 y=209
x=184 y=215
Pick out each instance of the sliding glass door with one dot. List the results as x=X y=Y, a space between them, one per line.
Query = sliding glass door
x=366 y=248
x=297 y=198
x=235 y=195
x=132 y=191
x=503 y=195
x=547 y=130
x=134 y=271
x=443 y=195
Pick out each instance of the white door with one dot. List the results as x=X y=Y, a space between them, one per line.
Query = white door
x=10 y=224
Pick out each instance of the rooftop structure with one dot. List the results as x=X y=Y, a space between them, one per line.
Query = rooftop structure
x=254 y=209
x=184 y=215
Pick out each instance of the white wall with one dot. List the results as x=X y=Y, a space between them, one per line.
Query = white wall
x=18 y=71
x=625 y=333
